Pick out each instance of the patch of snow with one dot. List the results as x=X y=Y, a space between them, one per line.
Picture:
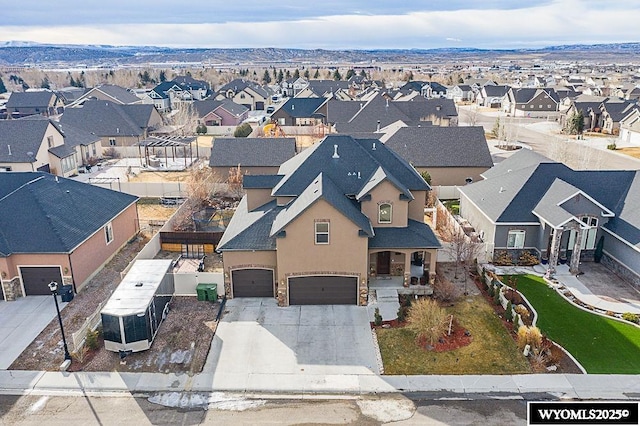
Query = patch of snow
x=38 y=405
x=386 y=411
x=205 y=401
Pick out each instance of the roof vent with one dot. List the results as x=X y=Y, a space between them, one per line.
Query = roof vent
x=9 y=148
x=373 y=148
x=502 y=189
x=139 y=284
x=359 y=175
x=378 y=128
x=438 y=107
x=335 y=152
x=293 y=106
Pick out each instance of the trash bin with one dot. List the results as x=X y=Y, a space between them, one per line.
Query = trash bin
x=66 y=293
x=207 y=291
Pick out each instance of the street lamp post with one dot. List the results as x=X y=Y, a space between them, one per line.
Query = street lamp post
x=53 y=286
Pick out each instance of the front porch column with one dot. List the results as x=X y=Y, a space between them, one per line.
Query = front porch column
x=556 y=236
x=407 y=268
x=574 y=265
x=433 y=259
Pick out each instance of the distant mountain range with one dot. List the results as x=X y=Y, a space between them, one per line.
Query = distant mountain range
x=19 y=53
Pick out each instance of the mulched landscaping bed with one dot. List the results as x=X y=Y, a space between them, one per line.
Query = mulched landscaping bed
x=564 y=364
x=458 y=338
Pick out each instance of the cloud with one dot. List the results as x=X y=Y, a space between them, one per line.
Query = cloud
x=556 y=22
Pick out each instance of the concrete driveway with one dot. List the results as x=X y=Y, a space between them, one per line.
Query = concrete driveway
x=256 y=336
x=20 y=322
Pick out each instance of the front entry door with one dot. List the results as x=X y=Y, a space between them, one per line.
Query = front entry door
x=384 y=263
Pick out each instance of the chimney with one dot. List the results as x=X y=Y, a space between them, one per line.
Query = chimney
x=335 y=152
x=9 y=148
x=378 y=128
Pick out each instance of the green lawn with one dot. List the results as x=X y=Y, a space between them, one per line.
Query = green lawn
x=600 y=344
x=492 y=351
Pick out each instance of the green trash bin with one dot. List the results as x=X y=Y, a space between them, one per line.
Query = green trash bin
x=206 y=291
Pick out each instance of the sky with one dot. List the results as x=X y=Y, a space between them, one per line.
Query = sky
x=327 y=24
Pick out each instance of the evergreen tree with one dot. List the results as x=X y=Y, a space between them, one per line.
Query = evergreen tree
x=363 y=74
x=336 y=75
x=266 y=78
x=45 y=84
x=275 y=74
x=317 y=74
x=296 y=74
x=350 y=74
x=460 y=80
x=280 y=76
x=287 y=75
x=3 y=88
x=306 y=74
x=163 y=76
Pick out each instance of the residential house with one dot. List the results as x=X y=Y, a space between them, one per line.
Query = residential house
x=379 y=113
x=427 y=89
x=612 y=112
x=343 y=211
x=589 y=107
x=37 y=102
x=530 y=203
x=254 y=156
x=192 y=89
x=162 y=94
x=292 y=86
x=453 y=156
x=630 y=128
x=34 y=145
x=478 y=83
x=169 y=95
x=328 y=89
x=220 y=113
x=116 y=125
x=246 y=93
x=74 y=229
x=86 y=146
x=531 y=102
x=108 y=92
x=492 y=96
x=460 y=93
x=301 y=112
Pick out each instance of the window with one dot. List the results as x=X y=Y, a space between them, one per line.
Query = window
x=589 y=236
x=50 y=141
x=108 y=233
x=516 y=239
x=112 y=141
x=385 y=213
x=322 y=232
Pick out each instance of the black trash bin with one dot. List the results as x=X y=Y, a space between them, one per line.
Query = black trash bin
x=66 y=293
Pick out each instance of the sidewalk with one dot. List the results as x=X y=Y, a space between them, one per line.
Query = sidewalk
x=529 y=386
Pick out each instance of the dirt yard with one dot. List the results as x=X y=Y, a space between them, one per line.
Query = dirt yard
x=152 y=176
x=155 y=211
x=630 y=151
x=181 y=345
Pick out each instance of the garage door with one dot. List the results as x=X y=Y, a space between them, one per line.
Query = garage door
x=323 y=290
x=36 y=279
x=252 y=283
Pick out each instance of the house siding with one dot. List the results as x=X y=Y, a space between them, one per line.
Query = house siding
x=621 y=252
x=298 y=254
x=452 y=176
x=416 y=207
x=531 y=238
x=223 y=172
x=477 y=219
x=385 y=192
x=88 y=258
x=258 y=197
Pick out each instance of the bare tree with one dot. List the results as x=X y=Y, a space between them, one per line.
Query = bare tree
x=235 y=182
x=464 y=250
x=185 y=119
x=472 y=115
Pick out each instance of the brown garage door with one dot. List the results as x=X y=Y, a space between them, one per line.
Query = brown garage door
x=36 y=279
x=323 y=290
x=252 y=283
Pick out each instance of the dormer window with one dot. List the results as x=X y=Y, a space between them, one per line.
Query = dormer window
x=385 y=213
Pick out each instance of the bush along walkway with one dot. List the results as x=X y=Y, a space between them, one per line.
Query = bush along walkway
x=601 y=344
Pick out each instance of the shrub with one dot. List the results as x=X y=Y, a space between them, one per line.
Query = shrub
x=631 y=317
x=243 y=130
x=508 y=314
x=110 y=153
x=496 y=296
x=91 y=341
x=402 y=313
x=529 y=335
x=502 y=258
x=523 y=312
x=445 y=291
x=377 y=318
x=80 y=354
x=612 y=146
x=527 y=258
x=491 y=290
x=427 y=319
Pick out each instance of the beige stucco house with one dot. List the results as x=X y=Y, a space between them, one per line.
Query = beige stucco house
x=335 y=215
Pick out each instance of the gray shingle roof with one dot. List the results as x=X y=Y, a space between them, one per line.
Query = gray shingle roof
x=356 y=163
x=250 y=230
x=208 y=105
x=59 y=213
x=74 y=136
x=260 y=181
x=105 y=118
x=415 y=235
x=302 y=107
x=251 y=152
x=378 y=177
x=36 y=99
x=435 y=146
x=119 y=94
x=519 y=160
x=321 y=188
x=21 y=137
